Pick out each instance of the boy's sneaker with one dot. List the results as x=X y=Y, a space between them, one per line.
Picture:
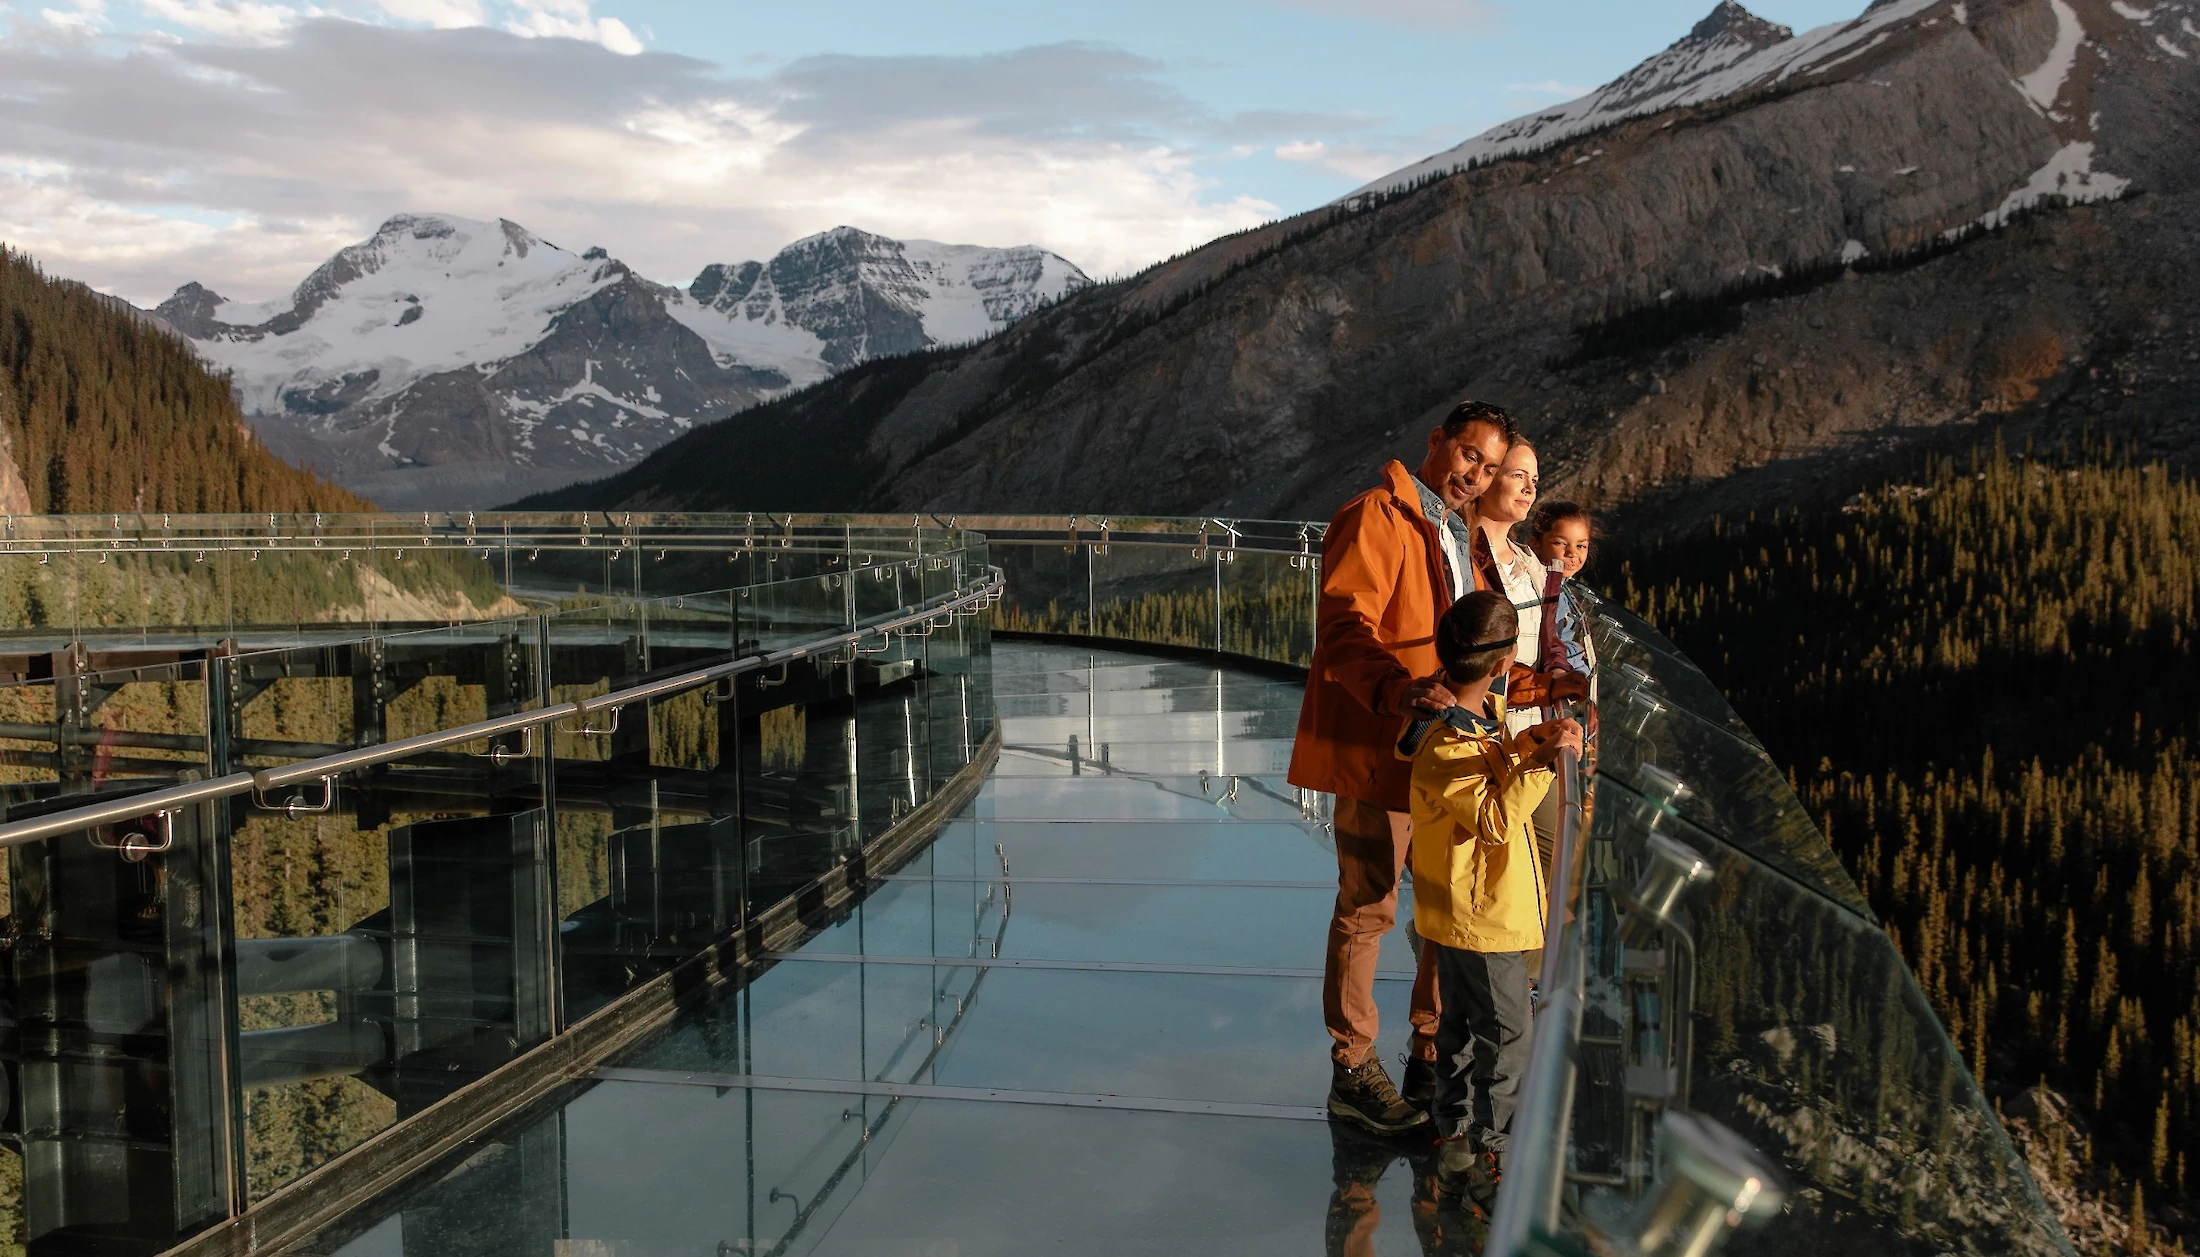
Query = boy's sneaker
x=1365 y=1095
x=1468 y=1173
x=1418 y=1084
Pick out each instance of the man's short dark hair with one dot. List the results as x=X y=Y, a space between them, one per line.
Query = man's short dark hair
x=1475 y=634
x=1468 y=413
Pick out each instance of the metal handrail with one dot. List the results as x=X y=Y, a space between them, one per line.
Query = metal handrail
x=1529 y=1195
x=326 y=768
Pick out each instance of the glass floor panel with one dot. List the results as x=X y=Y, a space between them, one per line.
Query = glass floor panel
x=1115 y=1048
x=1199 y=924
x=1209 y=727
x=1103 y=701
x=1227 y=1038
x=1197 y=849
x=1094 y=796
x=1266 y=757
x=642 y=1169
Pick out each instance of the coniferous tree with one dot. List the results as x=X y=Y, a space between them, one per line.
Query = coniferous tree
x=1984 y=684
x=106 y=412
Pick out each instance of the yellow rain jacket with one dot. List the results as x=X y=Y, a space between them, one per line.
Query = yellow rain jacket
x=1478 y=884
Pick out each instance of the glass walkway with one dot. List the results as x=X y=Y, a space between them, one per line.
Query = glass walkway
x=592 y=886
x=1085 y=1020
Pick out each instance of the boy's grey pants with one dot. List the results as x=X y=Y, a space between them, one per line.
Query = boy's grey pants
x=1481 y=1043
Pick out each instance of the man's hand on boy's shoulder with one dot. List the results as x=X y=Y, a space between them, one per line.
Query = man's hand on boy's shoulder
x=1540 y=744
x=1427 y=696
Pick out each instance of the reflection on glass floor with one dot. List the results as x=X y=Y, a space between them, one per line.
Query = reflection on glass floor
x=1086 y=1020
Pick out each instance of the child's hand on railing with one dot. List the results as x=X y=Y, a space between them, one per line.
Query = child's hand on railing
x=1540 y=744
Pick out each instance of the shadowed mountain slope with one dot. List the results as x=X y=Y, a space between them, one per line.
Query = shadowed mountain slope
x=1763 y=261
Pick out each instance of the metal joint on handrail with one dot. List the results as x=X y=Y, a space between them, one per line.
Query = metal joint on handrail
x=296 y=805
x=136 y=846
x=590 y=730
x=499 y=756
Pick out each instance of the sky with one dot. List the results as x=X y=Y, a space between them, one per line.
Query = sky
x=148 y=143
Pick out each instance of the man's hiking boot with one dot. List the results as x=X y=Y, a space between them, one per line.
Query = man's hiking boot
x=1468 y=1174
x=1364 y=1094
x=1418 y=1084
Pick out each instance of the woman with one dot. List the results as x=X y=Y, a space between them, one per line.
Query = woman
x=1512 y=566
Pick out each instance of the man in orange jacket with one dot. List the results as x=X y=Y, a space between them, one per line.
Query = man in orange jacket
x=1393 y=560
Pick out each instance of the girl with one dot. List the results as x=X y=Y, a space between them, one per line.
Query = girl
x=1560 y=533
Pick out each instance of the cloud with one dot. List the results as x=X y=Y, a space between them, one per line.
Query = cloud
x=568 y=19
x=1354 y=161
x=227 y=19
x=1414 y=15
x=139 y=162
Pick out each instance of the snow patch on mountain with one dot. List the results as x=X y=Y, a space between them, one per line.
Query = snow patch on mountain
x=2046 y=83
x=2068 y=175
x=1727 y=53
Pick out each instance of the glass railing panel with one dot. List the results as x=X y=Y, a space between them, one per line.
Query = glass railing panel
x=1050 y=586
x=939 y=570
x=1162 y=594
x=797 y=737
x=645 y=837
x=109 y=1076
x=951 y=703
x=595 y=644
x=392 y=582
x=1717 y=779
x=1630 y=650
x=883 y=585
x=1268 y=605
x=388 y=924
x=783 y=613
x=893 y=734
x=1776 y=1012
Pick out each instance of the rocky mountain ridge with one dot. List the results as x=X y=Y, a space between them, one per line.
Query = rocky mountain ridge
x=1728 y=276
x=448 y=362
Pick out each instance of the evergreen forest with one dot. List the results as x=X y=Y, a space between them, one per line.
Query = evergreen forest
x=1984 y=687
x=105 y=412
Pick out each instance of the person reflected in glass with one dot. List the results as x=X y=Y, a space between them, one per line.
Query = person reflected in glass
x=1359 y=1162
x=1479 y=889
x=1394 y=557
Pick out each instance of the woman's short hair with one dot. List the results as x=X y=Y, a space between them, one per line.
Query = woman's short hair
x=1475 y=634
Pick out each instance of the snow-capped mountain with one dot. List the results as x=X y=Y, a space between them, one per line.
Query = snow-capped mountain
x=449 y=362
x=1755 y=265
x=1733 y=52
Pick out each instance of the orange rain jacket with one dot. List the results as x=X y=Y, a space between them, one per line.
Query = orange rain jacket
x=1384 y=585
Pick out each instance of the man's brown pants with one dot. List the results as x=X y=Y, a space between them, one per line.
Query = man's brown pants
x=1371 y=853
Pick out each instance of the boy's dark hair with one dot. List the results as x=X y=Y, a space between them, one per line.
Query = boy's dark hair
x=1551 y=514
x=1475 y=634
x=1471 y=412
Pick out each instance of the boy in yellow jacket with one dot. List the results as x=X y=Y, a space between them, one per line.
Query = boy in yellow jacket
x=1478 y=885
